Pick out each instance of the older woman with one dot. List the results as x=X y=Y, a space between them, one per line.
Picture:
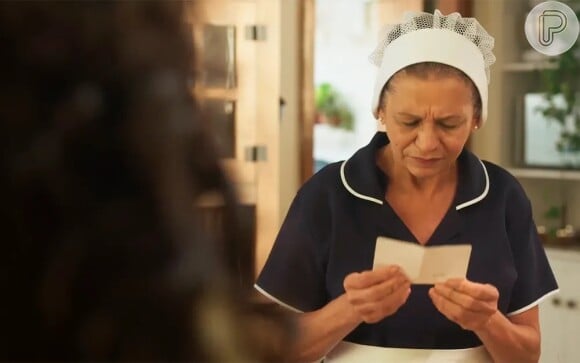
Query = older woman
x=416 y=183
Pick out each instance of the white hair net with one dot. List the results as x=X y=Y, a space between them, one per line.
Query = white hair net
x=423 y=37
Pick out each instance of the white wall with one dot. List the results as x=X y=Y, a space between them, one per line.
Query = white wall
x=343 y=41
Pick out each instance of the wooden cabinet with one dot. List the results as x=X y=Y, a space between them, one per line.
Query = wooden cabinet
x=238 y=49
x=560 y=314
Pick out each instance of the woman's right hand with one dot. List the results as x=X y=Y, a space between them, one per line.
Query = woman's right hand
x=378 y=293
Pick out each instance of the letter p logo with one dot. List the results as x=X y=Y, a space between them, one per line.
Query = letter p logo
x=552 y=28
x=551 y=22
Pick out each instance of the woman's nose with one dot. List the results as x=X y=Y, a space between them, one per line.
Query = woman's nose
x=427 y=139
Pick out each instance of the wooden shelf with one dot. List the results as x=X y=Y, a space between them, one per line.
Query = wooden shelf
x=527 y=66
x=545 y=174
x=215 y=93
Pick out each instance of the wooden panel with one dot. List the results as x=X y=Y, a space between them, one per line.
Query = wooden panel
x=268 y=128
x=391 y=11
x=307 y=107
x=463 y=7
x=226 y=94
x=256 y=94
x=239 y=14
x=245 y=177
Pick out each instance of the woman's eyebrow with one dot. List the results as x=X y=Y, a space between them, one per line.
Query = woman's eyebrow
x=448 y=118
x=439 y=119
x=408 y=115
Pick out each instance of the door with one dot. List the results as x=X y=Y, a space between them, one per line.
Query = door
x=237 y=47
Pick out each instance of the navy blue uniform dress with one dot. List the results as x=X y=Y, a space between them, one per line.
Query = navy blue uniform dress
x=331 y=229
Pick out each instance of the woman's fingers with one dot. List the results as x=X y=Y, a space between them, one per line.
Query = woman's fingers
x=449 y=308
x=362 y=280
x=376 y=311
x=378 y=293
x=478 y=291
x=467 y=303
x=463 y=299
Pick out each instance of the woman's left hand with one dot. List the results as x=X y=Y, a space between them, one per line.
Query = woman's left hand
x=466 y=303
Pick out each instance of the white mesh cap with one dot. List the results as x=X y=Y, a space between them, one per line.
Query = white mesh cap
x=423 y=37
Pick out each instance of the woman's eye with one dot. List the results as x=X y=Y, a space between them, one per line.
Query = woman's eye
x=411 y=123
x=448 y=126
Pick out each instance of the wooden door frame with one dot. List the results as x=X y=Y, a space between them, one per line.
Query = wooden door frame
x=463 y=7
x=306 y=86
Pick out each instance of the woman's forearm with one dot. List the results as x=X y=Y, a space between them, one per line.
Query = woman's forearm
x=509 y=342
x=320 y=330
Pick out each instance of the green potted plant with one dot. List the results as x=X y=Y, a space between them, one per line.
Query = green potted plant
x=561 y=82
x=331 y=108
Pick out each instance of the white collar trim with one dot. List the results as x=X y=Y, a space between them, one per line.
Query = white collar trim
x=479 y=198
x=352 y=191
x=380 y=202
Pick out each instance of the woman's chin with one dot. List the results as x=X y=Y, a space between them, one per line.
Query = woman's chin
x=423 y=172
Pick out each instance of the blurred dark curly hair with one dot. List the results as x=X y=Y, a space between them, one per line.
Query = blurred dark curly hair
x=103 y=155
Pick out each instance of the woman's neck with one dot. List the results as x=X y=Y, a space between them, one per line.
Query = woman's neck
x=402 y=181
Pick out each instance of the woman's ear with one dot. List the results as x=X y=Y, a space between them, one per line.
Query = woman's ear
x=381 y=117
x=382 y=123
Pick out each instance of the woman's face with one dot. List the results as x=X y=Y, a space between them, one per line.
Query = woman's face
x=428 y=122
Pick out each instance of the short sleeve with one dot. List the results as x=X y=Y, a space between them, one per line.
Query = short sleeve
x=294 y=273
x=535 y=279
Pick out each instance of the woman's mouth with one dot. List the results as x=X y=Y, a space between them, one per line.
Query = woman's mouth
x=425 y=162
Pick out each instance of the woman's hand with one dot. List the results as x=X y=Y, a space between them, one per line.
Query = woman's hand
x=377 y=294
x=466 y=303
